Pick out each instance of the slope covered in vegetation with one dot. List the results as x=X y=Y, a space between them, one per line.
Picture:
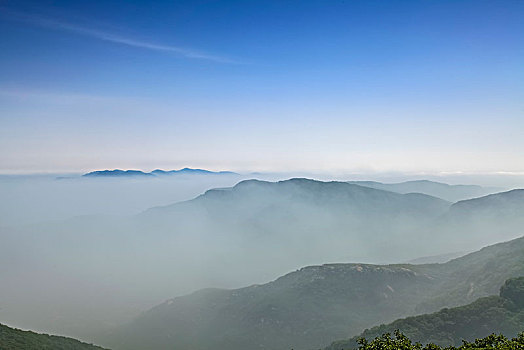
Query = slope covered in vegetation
x=400 y=341
x=502 y=314
x=16 y=339
x=313 y=306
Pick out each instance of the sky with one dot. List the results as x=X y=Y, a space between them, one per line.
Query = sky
x=331 y=86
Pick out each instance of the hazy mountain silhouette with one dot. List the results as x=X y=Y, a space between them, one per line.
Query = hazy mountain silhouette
x=500 y=214
x=157 y=172
x=503 y=203
x=116 y=173
x=309 y=213
x=451 y=193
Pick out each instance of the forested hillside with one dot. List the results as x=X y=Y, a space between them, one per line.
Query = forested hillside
x=503 y=314
x=16 y=339
x=313 y=306
x=400 y=341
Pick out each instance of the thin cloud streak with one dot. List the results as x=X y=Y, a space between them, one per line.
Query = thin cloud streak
x=102 y=35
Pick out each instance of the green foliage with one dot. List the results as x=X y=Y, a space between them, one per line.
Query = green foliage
x=401 y=342
x=16 y=339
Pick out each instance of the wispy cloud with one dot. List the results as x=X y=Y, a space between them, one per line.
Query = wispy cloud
x=46 y=22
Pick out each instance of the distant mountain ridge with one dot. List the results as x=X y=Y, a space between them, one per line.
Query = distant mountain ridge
x=157 y=172
x=305 y=308
x=16 y=339
x=451 y=193
x=494 y=202
x=500 y=214
x=304 y=189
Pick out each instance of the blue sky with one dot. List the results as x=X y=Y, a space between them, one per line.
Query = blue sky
x=410 y=86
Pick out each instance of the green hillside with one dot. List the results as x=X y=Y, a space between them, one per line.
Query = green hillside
x=16 y=339
x=502 y=314
x=310 y=307
x=400 y=341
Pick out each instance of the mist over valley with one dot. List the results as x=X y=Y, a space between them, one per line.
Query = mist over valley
x=261 y=175
x=90 y=274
